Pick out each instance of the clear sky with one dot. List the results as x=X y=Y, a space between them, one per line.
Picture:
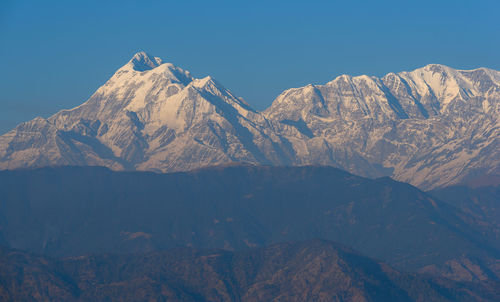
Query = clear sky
x=55 y=54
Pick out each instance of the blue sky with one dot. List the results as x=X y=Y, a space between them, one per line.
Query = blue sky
x=55 y=54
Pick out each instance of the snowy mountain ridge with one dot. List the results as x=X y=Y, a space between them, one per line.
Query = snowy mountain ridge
x=433 y=126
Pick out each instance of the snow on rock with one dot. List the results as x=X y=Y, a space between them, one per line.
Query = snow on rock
x=433 y=126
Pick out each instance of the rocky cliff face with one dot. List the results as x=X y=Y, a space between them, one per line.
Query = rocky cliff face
x=431 y=127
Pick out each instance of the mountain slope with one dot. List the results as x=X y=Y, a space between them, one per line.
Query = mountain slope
x=72 y=211
x=480 y=206
x=431 y=127
x=149 y=116
x=300 y=271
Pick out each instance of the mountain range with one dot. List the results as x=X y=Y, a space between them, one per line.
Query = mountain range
x=431 y=127
x=166 y=187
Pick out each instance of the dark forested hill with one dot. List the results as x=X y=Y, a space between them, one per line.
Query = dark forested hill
x=71 y=211
x=312 y=270
x=480 y=206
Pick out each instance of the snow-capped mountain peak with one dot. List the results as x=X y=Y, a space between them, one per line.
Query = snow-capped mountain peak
x=432 y=126
x=142 y=61
x=148 y=116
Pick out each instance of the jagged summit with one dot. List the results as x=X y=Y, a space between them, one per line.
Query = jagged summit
x=432 y=126
x=142 y=61
x=147 y=116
